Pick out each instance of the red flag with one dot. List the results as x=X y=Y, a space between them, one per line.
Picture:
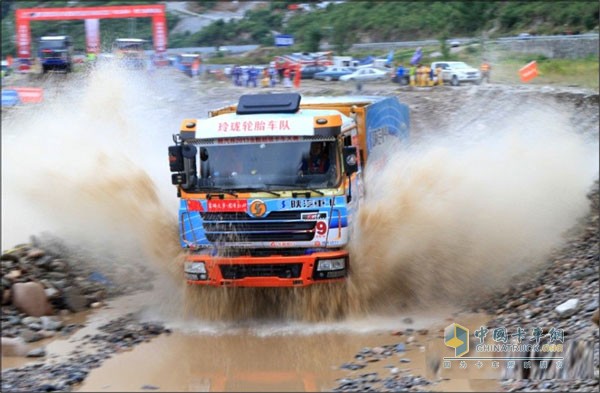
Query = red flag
x=528 y=72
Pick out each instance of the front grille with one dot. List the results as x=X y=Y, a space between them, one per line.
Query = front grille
x=288 y=270
x=240 y=227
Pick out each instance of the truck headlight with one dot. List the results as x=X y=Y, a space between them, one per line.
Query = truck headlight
x=194 y=268
x=331 y=264
x=195 y=271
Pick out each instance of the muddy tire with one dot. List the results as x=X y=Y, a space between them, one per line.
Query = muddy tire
x=327 y=79
x=454 y=81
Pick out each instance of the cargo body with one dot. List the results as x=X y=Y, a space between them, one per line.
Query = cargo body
x=268 y=188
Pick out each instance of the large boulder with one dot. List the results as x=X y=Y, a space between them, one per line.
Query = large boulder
x=30 y=298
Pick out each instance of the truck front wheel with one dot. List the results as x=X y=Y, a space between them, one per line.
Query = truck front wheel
x=454 y=81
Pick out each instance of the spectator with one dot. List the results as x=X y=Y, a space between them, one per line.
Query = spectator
x=400 y=74
x=195 y=69
x=264 y=82
x=427 y=75
x=413 y=75
x=273 y=74
x=237 y=75
x=485 y=71
x=252 y=76
x=438 y=76
x=286 y=78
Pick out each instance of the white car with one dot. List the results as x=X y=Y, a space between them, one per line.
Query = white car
x=457 y=72
x=365 y=74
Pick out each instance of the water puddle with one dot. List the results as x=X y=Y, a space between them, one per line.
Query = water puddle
x=205 y=356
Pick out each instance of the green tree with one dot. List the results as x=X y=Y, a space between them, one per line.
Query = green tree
x=312 y=39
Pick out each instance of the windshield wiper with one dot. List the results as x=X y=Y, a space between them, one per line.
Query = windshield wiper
x=221 y=194
x=295 y=187
x=256 y=189
x=307 y=192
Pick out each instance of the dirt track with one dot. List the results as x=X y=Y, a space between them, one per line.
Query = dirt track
x=155 y=109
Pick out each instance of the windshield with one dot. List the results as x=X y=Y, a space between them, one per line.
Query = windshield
x=129 y=46
x=460 y=65
x=53 y=44
x=270 y=166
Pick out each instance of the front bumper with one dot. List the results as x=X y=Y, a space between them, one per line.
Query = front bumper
x=270 y=271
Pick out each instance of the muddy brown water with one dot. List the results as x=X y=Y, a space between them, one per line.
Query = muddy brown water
x=447 y=220
x=208 y=356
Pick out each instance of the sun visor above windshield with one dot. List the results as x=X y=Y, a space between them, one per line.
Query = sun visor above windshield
x=268 y=103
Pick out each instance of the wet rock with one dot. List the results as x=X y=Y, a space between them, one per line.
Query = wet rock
x=58 y=265
x=52 y=293
x=7 y=258
x=30 y=299
x=567 y=308
x=593 y=305
x=33 y=323
x=13 y=274
x=35 y=253
x=44 y=262
x=14 y=346
x=30 y=336
x=6 y=297
x=74 y=299
x=51 y=323
x=36 y=353
x=352 y=366
x=55 y=276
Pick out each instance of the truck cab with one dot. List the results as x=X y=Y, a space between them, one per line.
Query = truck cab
x=185 y=61
x=55 y=53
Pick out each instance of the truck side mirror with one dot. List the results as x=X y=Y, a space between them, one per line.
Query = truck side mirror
x=175 y=158
x=350 y=160
x=203 y=154
x=189 y=165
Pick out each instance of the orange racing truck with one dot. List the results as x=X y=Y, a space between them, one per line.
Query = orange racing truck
x=268 y=187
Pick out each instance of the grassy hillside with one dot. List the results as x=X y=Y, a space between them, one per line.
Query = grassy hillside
x=340 y=25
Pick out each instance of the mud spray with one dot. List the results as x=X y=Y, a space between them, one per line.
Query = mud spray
x=445 y=219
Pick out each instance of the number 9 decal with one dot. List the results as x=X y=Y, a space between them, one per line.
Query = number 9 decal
x=321 y=227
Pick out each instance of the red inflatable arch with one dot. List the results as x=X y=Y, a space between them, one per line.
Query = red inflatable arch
x=91 y=14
